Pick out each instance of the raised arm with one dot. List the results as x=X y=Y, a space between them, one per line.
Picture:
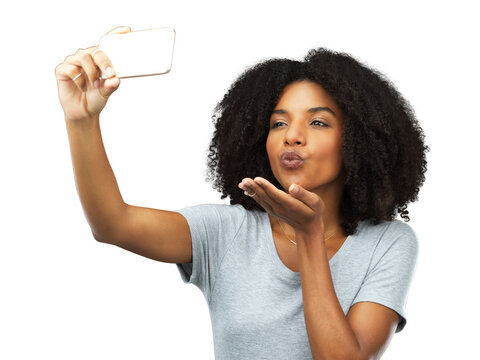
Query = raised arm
x=158 y=234
x=97 y=188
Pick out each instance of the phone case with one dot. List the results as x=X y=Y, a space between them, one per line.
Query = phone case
x=140 y=53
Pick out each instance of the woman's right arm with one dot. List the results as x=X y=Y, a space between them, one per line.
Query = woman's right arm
x=157 y=234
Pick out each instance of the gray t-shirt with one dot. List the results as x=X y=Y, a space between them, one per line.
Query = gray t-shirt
x=255 y=301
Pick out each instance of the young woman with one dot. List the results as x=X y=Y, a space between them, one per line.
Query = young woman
x=318 y=157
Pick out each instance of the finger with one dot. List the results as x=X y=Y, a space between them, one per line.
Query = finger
x=302 y=206
x=258 y=194
x=261 y=200
x=69 y=72
x=272 y=191
x=120 y=30
x=83 y=59
x=103 y=62
x=310 y=199
x=254 y=187
x=304 y=203
x=80 y=81
x=107 y=87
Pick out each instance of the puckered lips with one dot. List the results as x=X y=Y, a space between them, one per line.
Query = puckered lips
x=291 y=159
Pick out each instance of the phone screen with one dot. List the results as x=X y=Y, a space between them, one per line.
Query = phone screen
x=140 y=53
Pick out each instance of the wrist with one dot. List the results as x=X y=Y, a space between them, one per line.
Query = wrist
x=85 y=122
x=313 y=230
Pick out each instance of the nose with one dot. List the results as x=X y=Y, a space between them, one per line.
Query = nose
x=295 y=135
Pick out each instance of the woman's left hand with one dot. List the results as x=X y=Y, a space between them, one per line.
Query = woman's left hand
x=300 y=209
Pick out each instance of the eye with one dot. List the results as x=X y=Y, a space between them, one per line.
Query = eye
x=321 y=122
x=275 y=124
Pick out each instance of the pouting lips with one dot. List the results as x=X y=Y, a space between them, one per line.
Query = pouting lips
x=290 y=155
x=291 y=163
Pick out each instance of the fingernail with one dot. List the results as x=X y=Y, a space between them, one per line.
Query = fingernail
x=109 y=71
x=293 y=189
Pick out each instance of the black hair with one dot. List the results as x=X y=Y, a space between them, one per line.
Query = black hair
x=383 y=149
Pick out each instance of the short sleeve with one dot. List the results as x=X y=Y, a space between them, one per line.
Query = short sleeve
x=212 y=230
x=391 y=270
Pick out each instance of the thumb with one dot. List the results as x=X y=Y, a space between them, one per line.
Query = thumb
x=311 y=199
x=109 y=86
x=295 y=189
x=120 y=30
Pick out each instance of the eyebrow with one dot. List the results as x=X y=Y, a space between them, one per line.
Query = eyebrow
x=312 y=110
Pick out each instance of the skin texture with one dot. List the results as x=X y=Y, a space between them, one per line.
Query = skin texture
x=312 y=212
x=82 y=93
x=383 y=144
x=317 y=137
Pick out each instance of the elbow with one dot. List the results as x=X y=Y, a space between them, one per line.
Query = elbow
x=107 y=237
x=355 y=356
x=97 y=237
x=103 y=239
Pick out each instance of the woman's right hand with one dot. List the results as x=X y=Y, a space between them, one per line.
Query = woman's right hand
x=83 y=96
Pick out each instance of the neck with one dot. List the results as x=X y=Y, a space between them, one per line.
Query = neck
x=332 y=230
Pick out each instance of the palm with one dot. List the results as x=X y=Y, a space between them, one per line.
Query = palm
x=77 y=104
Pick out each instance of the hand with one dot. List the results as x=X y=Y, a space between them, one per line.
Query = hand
x=86 y=95
x=302 y=210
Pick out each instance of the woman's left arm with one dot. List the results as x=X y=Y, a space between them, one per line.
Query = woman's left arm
x=366 y=331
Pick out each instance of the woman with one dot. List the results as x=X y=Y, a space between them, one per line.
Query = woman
x=317 y=156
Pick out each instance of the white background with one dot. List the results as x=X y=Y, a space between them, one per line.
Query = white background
x=66 y=296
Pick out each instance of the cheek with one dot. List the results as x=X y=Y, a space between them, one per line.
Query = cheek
x=272 y=153
x=329 y=154
x=270 y=147
x=328 y=148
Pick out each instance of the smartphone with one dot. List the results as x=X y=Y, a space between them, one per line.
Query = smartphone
x=140 y=53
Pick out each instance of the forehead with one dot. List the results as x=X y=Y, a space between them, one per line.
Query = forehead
x=303 y=95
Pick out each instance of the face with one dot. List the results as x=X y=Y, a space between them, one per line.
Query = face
x=315 y=134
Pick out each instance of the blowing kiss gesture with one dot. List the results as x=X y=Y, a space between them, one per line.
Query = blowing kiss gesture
x=299 y=208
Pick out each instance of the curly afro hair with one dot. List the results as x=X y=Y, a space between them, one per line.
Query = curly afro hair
x=383 y=149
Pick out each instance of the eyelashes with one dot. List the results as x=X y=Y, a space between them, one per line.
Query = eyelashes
x=274 y=125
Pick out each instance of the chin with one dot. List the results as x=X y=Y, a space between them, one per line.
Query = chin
x=292 y=179
x=286 y=185
x=288 y=177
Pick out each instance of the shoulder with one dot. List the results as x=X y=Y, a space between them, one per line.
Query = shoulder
x=389 y=229
x=399 y=227
x=221 y=213
x=401 y=241
x=216 y=208
x=403 y=233
x=392 y=236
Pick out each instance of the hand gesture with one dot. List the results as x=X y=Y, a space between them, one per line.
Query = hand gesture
x=82 y=92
